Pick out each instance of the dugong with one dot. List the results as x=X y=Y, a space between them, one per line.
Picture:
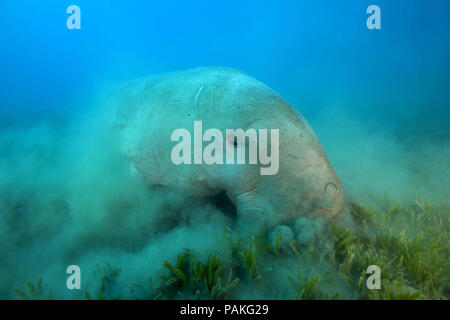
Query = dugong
x=151 y=108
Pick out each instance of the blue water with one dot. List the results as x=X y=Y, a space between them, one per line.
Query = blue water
x=377 y=99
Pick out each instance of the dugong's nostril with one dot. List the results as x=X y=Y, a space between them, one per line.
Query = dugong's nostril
x=330 y=190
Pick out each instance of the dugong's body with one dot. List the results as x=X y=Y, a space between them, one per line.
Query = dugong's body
x=151 y=108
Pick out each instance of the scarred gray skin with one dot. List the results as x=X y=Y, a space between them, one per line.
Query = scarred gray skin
x=151 y=108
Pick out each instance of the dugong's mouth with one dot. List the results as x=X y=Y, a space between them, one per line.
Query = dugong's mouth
x=328 y=213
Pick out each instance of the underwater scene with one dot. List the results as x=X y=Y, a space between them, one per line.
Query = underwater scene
x=251 y=149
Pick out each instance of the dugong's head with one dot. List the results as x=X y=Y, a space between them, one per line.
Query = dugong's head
x=305 y=184
x=310 y=184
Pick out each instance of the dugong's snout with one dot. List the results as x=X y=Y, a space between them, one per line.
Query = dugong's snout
x=312 y=185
